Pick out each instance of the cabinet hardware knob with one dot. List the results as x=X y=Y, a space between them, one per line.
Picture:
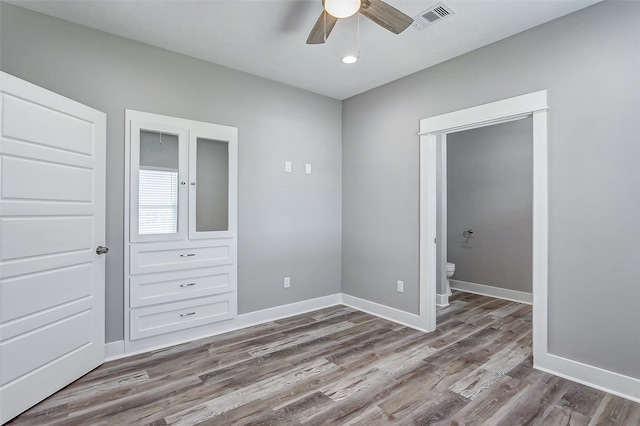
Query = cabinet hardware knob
x=183 y=183
x=193 y=183
x=188 y=314
x=187 y=255
x=187 y=285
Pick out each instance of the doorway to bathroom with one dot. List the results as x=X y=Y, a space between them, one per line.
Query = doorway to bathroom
x=484 y=223
x=432 y=131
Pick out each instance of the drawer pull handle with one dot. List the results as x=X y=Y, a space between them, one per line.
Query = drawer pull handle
x=188 y=314
x=187 y=285
x=187 y=255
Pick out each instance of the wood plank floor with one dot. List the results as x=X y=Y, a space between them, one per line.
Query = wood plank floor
x=340 y=366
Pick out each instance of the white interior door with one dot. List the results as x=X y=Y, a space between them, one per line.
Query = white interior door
x=52 y=219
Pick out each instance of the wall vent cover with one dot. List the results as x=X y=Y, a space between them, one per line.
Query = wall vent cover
x=432 y=15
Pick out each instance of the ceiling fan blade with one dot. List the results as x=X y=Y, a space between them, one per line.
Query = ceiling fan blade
x=385 y=15
x=321 y=30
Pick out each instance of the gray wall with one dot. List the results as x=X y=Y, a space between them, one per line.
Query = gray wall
x=288 y=223
x=490 y=190
x=589 y=62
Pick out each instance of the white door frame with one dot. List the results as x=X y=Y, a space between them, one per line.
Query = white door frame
x=532 y=104
x=441 y=245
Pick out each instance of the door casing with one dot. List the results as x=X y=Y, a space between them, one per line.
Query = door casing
x=431 y=128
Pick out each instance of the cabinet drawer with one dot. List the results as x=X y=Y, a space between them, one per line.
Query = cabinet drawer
x=168 y=287
x=148 y=259
x=160 y=319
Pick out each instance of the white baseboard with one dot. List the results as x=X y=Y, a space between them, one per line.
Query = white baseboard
x=442 y=300
x=284 y=311
x=116 y=350
x=595 y=377
x=497 y=292
x=382 y=311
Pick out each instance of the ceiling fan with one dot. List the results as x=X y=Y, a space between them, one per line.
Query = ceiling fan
x=378 y=11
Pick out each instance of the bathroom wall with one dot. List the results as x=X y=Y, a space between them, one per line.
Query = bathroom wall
x=288 y=223
x=589 y=63
x=490 y=190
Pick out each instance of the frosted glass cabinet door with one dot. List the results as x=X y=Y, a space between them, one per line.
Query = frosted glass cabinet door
x=158 y=183
x=212 y=182
x=212 y=193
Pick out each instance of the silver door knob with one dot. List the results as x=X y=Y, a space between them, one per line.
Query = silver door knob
x=102 y=250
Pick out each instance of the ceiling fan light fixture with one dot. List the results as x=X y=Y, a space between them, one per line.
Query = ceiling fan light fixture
x=350 y=59
x=341 y=8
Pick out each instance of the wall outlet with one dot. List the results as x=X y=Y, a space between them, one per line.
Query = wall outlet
x=307 y=168
x=400 y=286
x=287 y=166
x=287 y=282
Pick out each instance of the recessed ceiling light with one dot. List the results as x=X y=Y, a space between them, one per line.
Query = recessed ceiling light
x=349 y=59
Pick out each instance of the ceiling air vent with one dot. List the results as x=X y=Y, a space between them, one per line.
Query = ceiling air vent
x=432 y=15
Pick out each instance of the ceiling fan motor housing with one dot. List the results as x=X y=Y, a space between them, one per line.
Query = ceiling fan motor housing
x=377 y=11
x=341 y=8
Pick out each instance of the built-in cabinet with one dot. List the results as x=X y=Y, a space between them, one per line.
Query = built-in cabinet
x=180 y=227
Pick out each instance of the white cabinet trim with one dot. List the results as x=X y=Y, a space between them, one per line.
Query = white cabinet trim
x=185 y=254
x=220 y=133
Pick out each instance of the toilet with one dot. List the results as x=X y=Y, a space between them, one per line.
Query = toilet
x=451 y=268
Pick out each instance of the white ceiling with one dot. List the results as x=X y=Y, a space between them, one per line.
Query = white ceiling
x=267 y=37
